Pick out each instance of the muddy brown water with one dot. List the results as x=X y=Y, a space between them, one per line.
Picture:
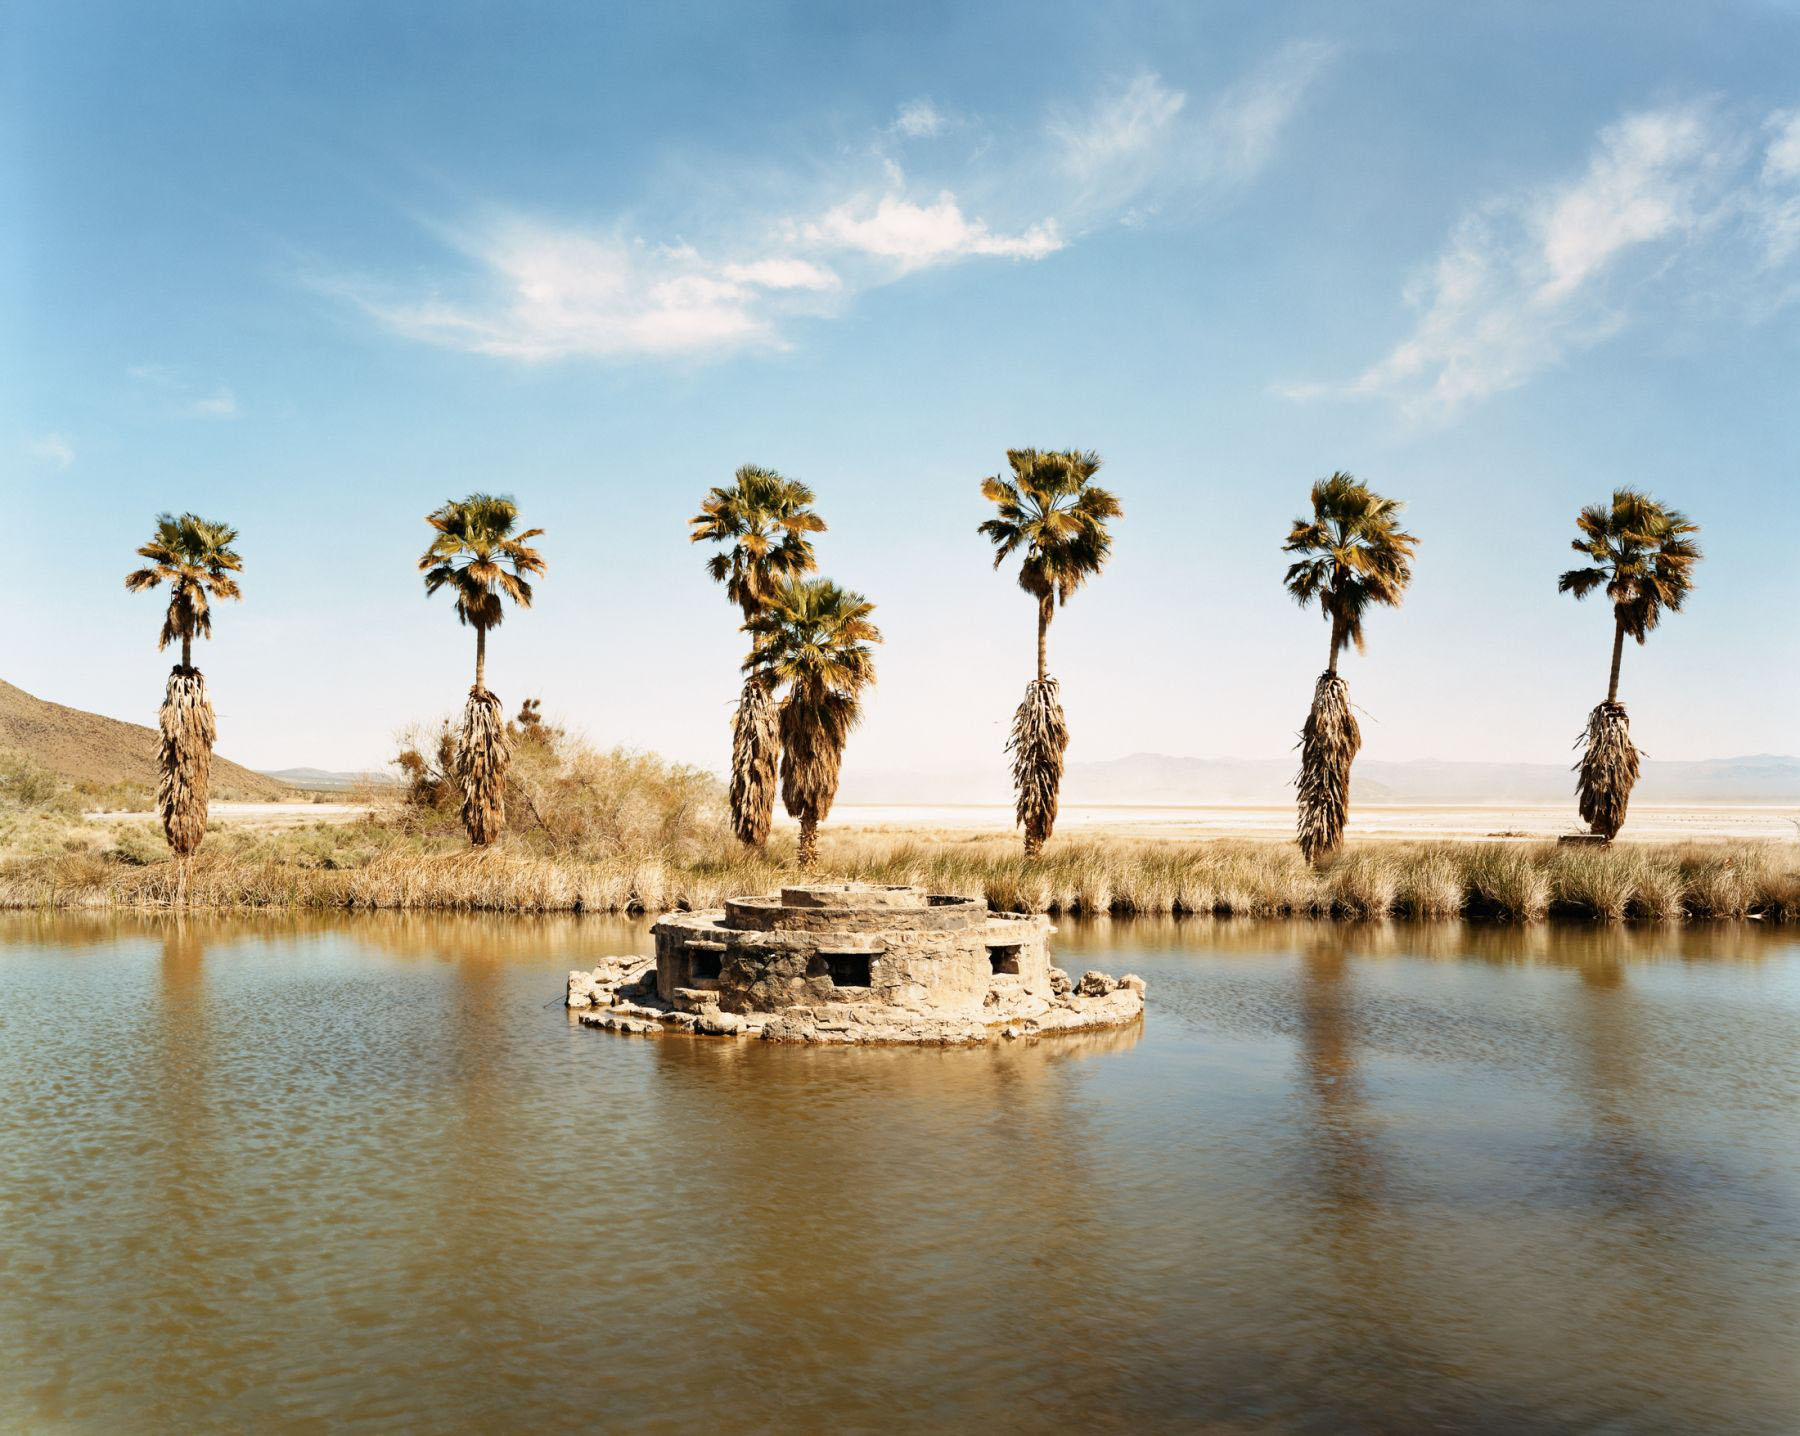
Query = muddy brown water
x=364 y=1173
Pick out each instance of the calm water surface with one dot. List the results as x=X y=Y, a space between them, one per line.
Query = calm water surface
x=364 y=1173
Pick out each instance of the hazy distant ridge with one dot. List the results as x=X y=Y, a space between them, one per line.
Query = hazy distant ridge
x=1153 y=778
x=323 y=780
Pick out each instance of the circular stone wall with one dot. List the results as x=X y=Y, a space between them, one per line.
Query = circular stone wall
x=857 y=962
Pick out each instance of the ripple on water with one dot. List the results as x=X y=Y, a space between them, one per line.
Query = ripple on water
x=260 y=1174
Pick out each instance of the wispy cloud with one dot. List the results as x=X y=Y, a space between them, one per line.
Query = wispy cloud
x=920 y=120
x=180 y=395
x=1664 y=206
x=52 y=449
x=915 y=235
x=1144 y=142
x=1119 y=130
x=1780 y=178
x=534 y=289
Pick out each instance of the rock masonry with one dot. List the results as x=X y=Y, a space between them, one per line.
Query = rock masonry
x=851 y=963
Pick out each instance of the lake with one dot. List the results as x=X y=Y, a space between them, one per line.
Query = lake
x=282 y=1172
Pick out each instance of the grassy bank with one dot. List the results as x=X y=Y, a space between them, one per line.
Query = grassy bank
x=369 y=866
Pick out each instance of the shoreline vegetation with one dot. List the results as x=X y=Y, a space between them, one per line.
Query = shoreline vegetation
x=378 y=865
x=618 y=831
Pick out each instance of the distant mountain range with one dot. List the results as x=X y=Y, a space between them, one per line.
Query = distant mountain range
x=321 y=780
x=87 y=747
x=90 y=748
x=1150 y=779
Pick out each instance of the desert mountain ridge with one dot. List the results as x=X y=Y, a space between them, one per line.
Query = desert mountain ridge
x=90 y=748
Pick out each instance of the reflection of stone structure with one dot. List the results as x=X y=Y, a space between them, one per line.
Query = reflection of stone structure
x=852 y=962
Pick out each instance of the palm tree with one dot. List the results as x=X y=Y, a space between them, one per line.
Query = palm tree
x=1353 y=554
x=476 y=554
x=766 y=520
x=195 y=558
x=1644 y=555
x=1054 y=511
x=813 y=637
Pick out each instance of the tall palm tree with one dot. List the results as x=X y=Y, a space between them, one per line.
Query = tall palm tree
x=1052 y=509
x=478 y=556
x=195 y=558
x=1353 y=554
x=815 y=638
x=766 y=520
x=1643 y=553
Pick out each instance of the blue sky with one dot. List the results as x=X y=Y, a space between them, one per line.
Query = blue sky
x=312 y=269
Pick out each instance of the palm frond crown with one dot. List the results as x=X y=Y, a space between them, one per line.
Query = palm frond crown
x=1641 y=552
x=765 y=519
x=815 y=638
x=194 y=556
x=1352 y=554
x=476 y=553
x=1052 y=510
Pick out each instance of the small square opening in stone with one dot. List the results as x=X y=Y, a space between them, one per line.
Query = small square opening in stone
x=847 y=969
x=704 y=964
x=1004 y=957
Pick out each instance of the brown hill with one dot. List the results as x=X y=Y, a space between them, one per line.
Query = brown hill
x=87 y=748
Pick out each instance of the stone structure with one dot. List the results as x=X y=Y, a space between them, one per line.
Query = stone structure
x=851 y=962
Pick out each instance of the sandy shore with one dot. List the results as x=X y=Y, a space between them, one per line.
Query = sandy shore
x=256 y=815
x=1648 y=824
x=1396 y=822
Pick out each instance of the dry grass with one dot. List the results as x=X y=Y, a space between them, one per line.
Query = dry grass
x=371 y=866
x=1328 y=745
x=1608 y=770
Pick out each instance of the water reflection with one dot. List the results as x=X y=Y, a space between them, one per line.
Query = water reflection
x=261 y=1173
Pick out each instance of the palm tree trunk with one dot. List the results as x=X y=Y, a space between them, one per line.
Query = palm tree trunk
x=1043 y=635
x=481 y=762
x=187 y=653
x=1040 y=736
x=480 y=659
x=184 y=760
x=1328 y=745
x=755 y=755
x=809 y=842
x=1337 y=642
x=1612 y=683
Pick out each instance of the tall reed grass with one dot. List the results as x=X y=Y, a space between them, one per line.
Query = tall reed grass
x=1117 y=876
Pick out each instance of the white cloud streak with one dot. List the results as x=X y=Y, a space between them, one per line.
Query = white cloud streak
x=916 y=235
x=530 y=289
x=1531 y=278
x=920 y=120
x=52 y=449
x=179 y=395
x=1136 y=147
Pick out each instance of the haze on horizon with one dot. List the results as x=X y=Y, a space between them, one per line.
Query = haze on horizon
x=313 y=272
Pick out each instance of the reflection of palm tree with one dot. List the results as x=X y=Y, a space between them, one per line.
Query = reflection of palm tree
x=1623 y=1166
x=183 y=1187
x=1343 y=1156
